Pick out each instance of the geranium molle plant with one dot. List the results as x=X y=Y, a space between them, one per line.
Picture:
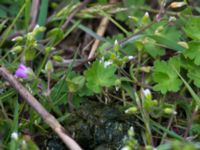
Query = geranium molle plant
x=24 y=72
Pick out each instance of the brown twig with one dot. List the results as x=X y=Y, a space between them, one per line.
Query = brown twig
x=100 y=31
x=32 y=101
x=77 y=9
x=34 y=13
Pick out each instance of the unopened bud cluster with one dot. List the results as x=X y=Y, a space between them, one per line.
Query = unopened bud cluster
x=27 y=43
x=115 y=57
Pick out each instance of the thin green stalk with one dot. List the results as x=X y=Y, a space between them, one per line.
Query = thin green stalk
x=40 y=68
x=114 y=22
x=3 y=110
x=168 y=127
x=7 y=53
x=13 y=145
x=171 y=133
x=2 y=24
x=27 y=14
x=146 y=120
x=8 y=31
x=145 y=117
x=66 y=74
x=75 y=24
x=7 y=95
x=184 y=88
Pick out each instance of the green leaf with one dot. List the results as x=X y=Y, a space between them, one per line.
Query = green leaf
x=170 y=43
x=166 y=35
x=195 y=129
x=193 y=94
x=85 y=91
x=152 y=49
x=59 y=92
x=192 y=28
x=129 y=89
x=98 y=76
x=76 y=100
x=13 y=10
x=193 y=70
x=165 y=76
x=162 y=28
x=193 y=52
x=55 y=35
x=76 y=83
x=3 y=12
x=195 y=76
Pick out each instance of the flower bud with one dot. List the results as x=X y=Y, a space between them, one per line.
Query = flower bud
x=147 y=94
x=130 y=57
x=57 y=58
x=155 y=102
x=107 y=63
x=172 y=19
x=116 y=46
x=145 y=69
x=135 y=19
x=54 y=5
x=49 y=66
x=38 y=29
x=177 y=4
x=117 y=82
x=131 y=110
x=113 y=56
x=30 y=37
x=145 y=18
x=158 y=17
x=170 y=111
x=14 y=136
x=158 y=30
x=16 y=49
x=48 y=49
x=148 y=147
x=24 y=144
x=125 y=59
x=126 y=148
x=131 y=132
x=183 y=44
x=17 y=39
x=41 y=29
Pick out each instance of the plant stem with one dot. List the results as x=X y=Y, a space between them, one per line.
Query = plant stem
x=165 y=133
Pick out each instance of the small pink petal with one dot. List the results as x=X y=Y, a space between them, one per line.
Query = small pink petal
x=22 y=71
x=158 y=17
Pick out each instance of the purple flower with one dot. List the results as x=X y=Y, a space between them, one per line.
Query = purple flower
x=158 y=17
x=22 y=71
